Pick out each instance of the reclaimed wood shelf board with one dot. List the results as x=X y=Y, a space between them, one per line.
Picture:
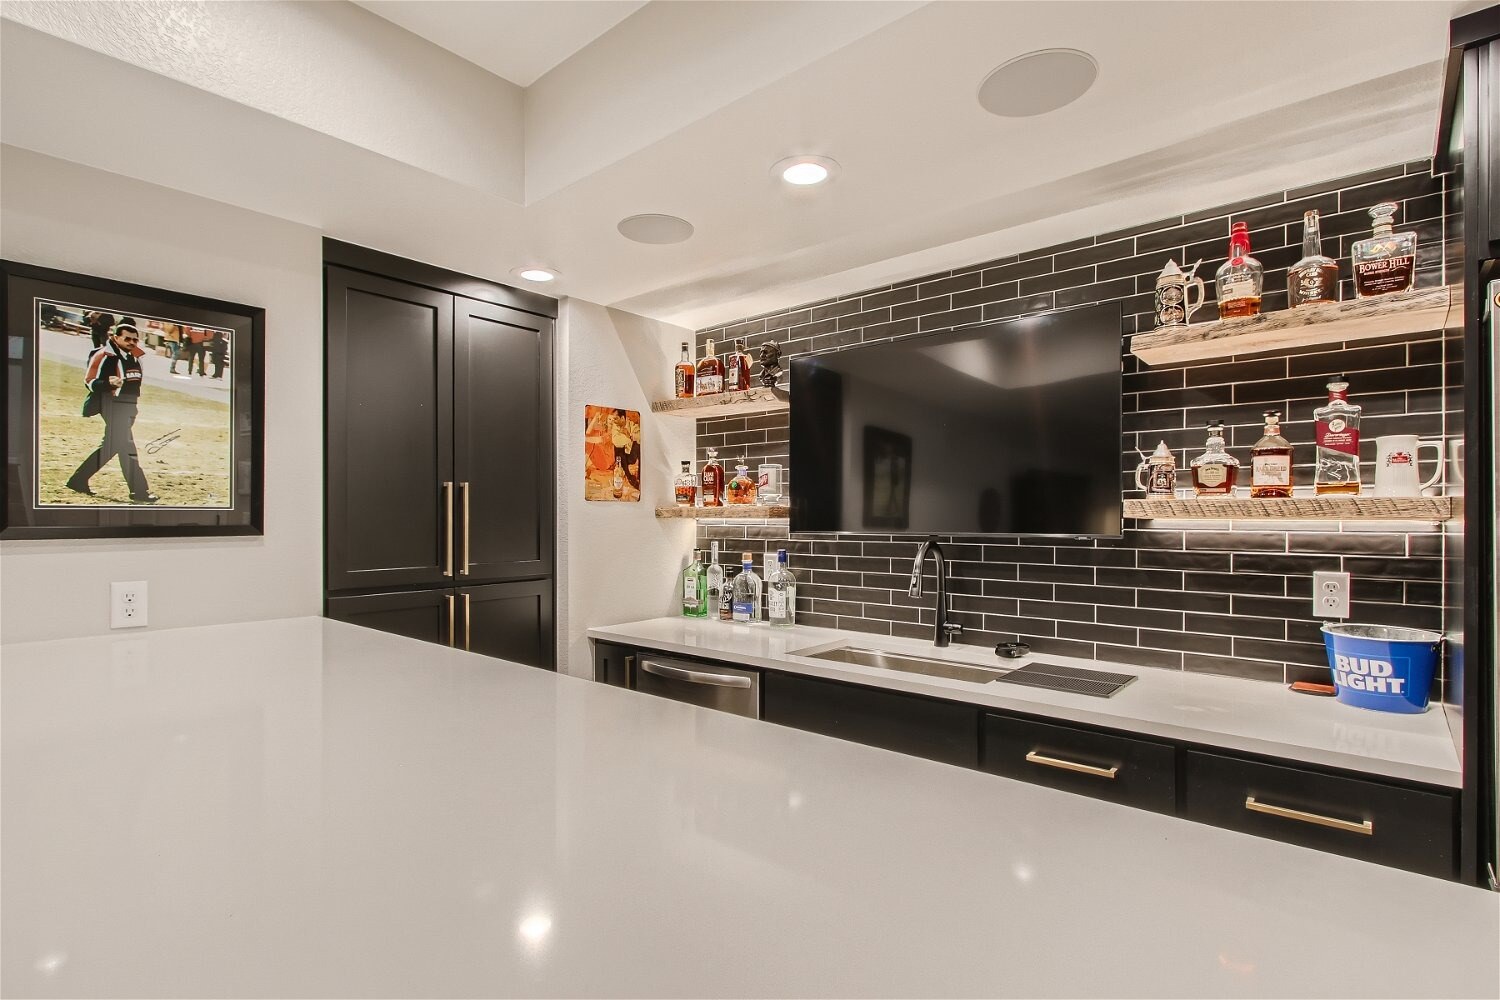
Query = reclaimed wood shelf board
x=725 y=404
x=736 y=511
x=1326 y=508
x=1425 y=310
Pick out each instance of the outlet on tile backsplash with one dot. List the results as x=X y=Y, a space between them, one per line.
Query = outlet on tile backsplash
x=1212 y=597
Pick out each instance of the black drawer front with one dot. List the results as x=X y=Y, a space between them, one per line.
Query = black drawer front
x=1385 y=824
x=905 y=723
x=1129 y=771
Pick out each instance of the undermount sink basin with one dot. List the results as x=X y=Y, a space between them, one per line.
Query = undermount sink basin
x=1036 y=674
x=909 y=664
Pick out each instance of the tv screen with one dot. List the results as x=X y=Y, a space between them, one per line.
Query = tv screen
x=1011 y=428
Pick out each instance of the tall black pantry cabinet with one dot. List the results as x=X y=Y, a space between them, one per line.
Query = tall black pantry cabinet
x=439 y=500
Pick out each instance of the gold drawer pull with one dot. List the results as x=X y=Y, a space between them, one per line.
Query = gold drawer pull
x=1072 y=765
x=1367 y=828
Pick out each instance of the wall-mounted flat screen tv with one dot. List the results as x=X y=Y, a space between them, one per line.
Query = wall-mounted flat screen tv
x=1010 y=428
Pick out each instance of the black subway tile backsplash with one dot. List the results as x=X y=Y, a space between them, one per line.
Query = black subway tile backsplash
x=1209 y=596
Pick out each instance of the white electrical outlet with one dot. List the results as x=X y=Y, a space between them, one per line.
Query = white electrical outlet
x=1331 y=595
x=127 y=604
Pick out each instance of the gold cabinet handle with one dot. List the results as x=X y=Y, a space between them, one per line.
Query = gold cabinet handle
x=1072 y=765
x=629 y=670
x=464 y=488
x=450 y=619
x=467 y=621
x=448 y=529
x=1367 y=828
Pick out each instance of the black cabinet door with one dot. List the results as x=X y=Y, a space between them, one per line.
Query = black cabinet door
x=503 y=454
x=613 y=664
x=419 y=614
x=1386 y=824
x=390 y=431
x=511 y=621
x=1122 y=769
x=923 y=727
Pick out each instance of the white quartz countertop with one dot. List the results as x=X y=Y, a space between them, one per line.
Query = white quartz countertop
x=307 y=808
x=1228 y=712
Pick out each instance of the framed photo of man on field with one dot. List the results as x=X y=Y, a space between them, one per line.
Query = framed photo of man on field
x=130 y=410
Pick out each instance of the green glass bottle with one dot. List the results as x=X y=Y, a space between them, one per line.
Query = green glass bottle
x=695 y=588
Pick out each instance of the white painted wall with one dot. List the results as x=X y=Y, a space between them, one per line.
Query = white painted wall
x=62 y=215
x=617 y=562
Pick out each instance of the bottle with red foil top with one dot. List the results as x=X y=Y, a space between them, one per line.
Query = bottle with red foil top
x=1240 y=279
x=1336 y=427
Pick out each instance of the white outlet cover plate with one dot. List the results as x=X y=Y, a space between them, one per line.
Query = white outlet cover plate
x=127 y=604
x=1331 y=595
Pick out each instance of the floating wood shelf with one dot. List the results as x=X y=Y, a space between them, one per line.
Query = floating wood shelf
x=1325 y=508
x=1422 y=311
x=725 y=404
x=736 y=512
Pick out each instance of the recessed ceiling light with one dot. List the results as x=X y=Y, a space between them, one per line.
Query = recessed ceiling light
x=653 y=228
x=1037 y=82
x=805 y=171
x=535 y=273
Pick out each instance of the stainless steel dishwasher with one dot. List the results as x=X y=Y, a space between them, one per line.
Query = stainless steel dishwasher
x=711 y=685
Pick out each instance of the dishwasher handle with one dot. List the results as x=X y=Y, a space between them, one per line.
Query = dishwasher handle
x=695 y=676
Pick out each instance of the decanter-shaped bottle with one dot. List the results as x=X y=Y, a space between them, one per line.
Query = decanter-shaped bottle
x=1336 y=431
x=1215 y=471
x=1387 y=261
x=1241 y=278
x=1271 y=462
x=747 y=594
x=740 y=489
x=1314 y=279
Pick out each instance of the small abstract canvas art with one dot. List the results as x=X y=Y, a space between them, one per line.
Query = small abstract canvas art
x=611 y=454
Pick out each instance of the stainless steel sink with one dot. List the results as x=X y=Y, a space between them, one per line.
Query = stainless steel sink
x=909 y=664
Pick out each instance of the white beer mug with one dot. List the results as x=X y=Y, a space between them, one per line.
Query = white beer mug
x=1396 y=465
x=1456 y=464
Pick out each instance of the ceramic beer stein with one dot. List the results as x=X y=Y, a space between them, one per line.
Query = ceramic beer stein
x=1175 y=303
x=1396 y=472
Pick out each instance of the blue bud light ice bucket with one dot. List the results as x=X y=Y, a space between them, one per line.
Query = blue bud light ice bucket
x=1383 y=668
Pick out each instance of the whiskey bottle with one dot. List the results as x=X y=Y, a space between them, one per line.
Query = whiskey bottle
x=1240 y=278
x=747 y=594
x=781 y=593
x=1336 y=430
x=685 y=487
x=694 y=588
x=1271 y=462
x=712 y=485
x=1387 y=261
x=1314 y=279
x=1215 y=471
x=685 y=372
x=713 y=581
x=710 y=376
x=740 y=489
x=737 y=368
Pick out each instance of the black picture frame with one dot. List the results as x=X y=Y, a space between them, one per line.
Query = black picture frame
x=27 y=510
x=887 y=479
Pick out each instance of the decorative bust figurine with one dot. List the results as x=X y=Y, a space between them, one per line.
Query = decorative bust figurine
x=770 y=363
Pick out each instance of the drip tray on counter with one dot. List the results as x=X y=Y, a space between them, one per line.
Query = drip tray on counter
x=1055 y=677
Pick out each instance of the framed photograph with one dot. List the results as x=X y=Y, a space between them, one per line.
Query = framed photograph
x=611 y=454
x=887 y=479
x=131 y=411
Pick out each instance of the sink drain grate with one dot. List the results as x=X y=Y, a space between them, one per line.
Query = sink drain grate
x=1055 y=677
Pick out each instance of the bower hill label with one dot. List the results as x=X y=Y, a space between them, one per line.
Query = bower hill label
x=1378 y=277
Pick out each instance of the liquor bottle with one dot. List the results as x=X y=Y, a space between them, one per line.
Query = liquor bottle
x=685 y=486
x=1215 y=471
x=1336 y=430
x=726 y=597
x=747 y=593
x=618 y=485
x=1387 y=261
x=1240 y=278
x=685 y=372
x=740 y=489
x=695 y=588
x=712 y=486
x=1271 y=462
x=1314 y=279
x=713 y=581
x=737 y=368
x=710 y=377
x=781 y=593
